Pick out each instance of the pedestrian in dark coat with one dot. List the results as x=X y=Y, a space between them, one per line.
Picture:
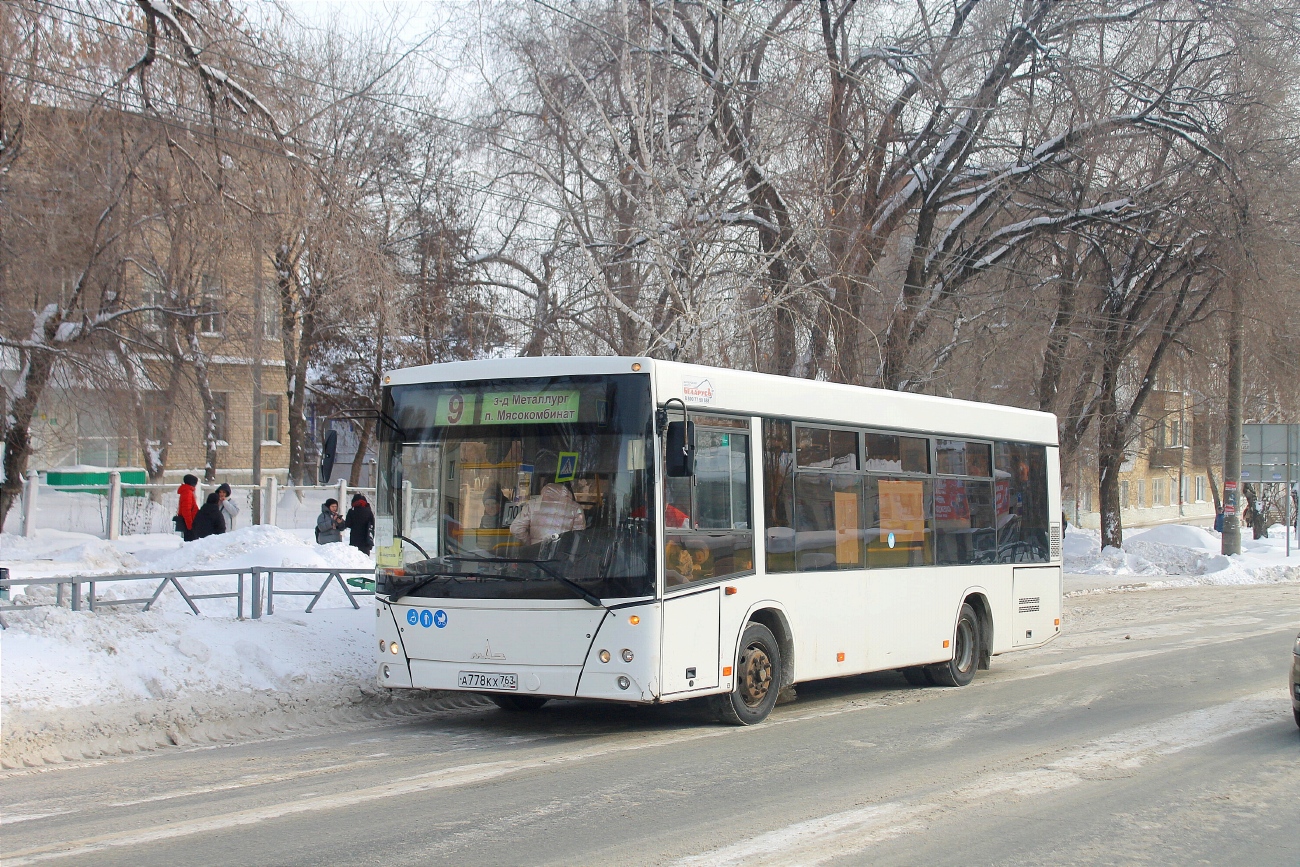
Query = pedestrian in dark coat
x=361 y=524
x=209 y=521
x=188 y=507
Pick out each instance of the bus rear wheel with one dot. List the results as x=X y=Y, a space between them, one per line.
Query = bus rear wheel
x=960 y=670
x=757 y=681
x=517 y=703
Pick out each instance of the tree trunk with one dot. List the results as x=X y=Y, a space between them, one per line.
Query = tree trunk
x=18 y=441
x=1110 y=455
x=1231 y=541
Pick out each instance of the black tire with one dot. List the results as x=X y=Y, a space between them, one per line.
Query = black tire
x=757 y=680
x=517 y=703
x=1297 y=716
x=917 y=675
x=960 y=670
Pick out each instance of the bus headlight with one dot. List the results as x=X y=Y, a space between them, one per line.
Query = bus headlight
x=623 y=682
x=383 y=645
x=387 y=673
x=392 y=648
x=604 y=656
x=627 y=655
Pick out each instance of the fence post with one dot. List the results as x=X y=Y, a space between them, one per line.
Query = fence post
x=256 y=600
x=30 y=489
x=114 y=504
x=342 y=494
x=76 y=596
x=272 y=499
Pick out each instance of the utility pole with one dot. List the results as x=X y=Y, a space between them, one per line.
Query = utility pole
x=1231 y=542
x=259 y=324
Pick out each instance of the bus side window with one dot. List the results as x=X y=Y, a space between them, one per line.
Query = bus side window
x=719 y=540
x=1020 y=502
x=778 y=495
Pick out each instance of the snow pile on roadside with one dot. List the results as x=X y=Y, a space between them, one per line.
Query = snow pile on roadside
x=71 y=678
x=1178 y=555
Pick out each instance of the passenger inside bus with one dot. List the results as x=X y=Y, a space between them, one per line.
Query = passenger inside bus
x=547 y=515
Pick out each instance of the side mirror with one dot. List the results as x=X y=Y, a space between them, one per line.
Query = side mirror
x=329 y=450
x=679 y=449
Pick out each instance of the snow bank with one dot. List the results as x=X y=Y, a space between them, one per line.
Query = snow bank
x=76 y=682
x=1177 y=555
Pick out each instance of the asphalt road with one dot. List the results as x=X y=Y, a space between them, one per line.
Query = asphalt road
x=1157 y=730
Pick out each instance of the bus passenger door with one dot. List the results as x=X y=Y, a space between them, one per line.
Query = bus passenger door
x=690 y=641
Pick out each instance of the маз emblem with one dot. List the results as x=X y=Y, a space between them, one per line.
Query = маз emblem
x=487 y=653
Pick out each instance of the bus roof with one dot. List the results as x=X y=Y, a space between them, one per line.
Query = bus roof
x=722 y=390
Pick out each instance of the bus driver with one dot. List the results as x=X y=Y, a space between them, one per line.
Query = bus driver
x=548 y=515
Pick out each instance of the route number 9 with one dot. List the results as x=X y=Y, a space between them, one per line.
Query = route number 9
x=455 y=408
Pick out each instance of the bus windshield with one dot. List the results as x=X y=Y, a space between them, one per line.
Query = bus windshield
x=517 y=489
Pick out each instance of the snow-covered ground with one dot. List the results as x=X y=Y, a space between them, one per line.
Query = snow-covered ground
x=1178 y=555
x=82 y=683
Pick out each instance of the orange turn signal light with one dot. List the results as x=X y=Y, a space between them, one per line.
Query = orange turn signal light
x=726 y=671
x=839 y=657
x=730 y=591
x=946 y=642
x=634 y=620
x=1058 y=622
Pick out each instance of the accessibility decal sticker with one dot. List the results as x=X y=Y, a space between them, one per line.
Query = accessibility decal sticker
x=412 y=616
x=426 y=618
x=440 y=618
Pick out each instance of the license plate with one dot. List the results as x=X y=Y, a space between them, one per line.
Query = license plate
x=482 y=680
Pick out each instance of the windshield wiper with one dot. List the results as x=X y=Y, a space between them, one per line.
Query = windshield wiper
x=577 y=588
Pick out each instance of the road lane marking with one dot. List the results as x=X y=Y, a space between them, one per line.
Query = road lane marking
x=826 y=838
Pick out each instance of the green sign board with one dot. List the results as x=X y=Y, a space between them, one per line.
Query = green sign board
x=455 y=409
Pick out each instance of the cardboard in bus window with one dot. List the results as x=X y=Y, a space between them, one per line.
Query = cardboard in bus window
x=902 y=509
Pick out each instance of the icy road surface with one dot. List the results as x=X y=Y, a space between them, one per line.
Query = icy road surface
x=1157 y=730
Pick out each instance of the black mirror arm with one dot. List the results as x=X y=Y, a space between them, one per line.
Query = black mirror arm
x=661 y=414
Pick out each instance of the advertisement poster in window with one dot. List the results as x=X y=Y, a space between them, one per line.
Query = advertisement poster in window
x=847 y=550
x=950 y=503
x=902 y=509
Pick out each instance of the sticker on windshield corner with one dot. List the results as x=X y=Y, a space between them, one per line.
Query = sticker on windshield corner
x=567 y=469
x=412 y=617
x=440 y=618
x=426 y=618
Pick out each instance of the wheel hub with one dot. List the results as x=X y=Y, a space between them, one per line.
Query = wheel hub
x=756 y=676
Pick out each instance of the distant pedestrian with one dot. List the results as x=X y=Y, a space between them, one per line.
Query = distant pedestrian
x=229 y=511
x=188 y=507
x=361 y=524
x=329 y=523
x=1218 y=520
x=208 y=521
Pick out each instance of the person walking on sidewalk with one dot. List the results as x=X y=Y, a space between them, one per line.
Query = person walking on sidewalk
x=208 y=521
x=329 y=523
x=188 y=507
x=228 y=508
x=361 y=524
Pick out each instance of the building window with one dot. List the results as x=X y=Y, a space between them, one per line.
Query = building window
x=211 y=318
x=1142 y=493
x=270 y=312
x=1200 y=489
x=155 y=406
x=1123 y=495
x=221 y=416
x=271 y=418
x=153 y=295
x=1157 y=492
x=1085 y=501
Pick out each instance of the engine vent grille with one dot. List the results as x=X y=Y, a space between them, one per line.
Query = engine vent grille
x=1030 y=604
x=1055 y=542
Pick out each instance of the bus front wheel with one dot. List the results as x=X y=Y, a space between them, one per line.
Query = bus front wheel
x=757 y=679
x=960 y=670
x=517 y=703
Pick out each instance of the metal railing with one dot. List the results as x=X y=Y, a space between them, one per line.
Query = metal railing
x=261 y=595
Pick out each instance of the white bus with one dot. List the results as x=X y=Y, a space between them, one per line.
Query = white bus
x=640 y=531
